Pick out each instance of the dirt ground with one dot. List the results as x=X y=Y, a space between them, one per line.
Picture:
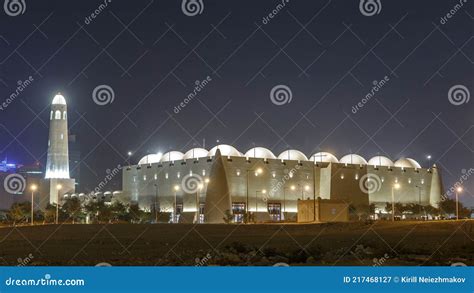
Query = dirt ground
x=371 y=244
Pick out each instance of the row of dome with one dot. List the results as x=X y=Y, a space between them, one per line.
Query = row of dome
x=264 y=153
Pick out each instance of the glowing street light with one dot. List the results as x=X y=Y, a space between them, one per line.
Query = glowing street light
x=458 y=191
x=395 y=186
x=33 y=188
x=175 y=216
x=58 y=187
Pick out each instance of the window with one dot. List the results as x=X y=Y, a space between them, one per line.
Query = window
x=64 y=115
x=274 y=209
x=57 y=115
x=62 y=136
x=238 y=210
x=51 y=116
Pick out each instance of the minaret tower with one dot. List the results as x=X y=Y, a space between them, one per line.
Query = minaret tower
x=57 y=164
x=57 y=181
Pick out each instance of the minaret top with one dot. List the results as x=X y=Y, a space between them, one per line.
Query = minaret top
x=59 y=100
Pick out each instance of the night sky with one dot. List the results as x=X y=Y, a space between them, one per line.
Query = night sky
x=328 y=53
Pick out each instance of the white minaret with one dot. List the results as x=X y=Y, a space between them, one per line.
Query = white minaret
x=57 y=163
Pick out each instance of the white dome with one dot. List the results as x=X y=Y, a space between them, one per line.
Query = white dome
x=380 y=161
x=407 y=163
x=324 y=157
x=353 y=159
x=59 y=100
x=195 y=153
x=292 y=155
x=226 y=150
x=172 y=156
x=150 y=159
x=259 y=152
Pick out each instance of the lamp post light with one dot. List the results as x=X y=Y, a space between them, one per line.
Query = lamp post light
x=156 y=203
x=257 y=172
x=58 y=187
x=394 y=186
x=198 y=191
x=33 y=189
x=175 y=213
x=458 y=190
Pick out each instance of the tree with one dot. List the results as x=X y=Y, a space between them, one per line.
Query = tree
x=19 y=212
x=228 y=217
x=448 y=206
x=50 y=213
x=119 y=211
x=134 y=213
x=372 y=208
x=72 y=207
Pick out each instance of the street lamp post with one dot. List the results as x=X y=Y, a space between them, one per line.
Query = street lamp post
x=198 y=191
x=58 y=187
x=156 y=203
x=395 y=186
x=458 y=190
x=175 y=213
x=33 y=189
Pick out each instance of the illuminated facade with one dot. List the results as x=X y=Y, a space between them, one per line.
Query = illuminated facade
x=224 y=181
x=57 y=180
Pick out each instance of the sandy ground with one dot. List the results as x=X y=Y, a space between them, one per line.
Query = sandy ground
x=378 y=243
